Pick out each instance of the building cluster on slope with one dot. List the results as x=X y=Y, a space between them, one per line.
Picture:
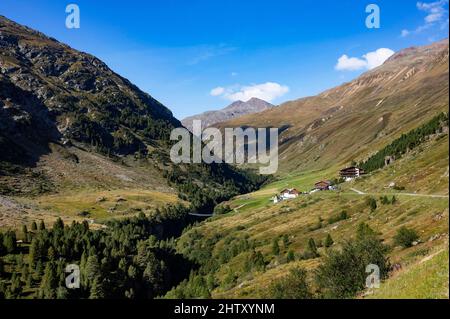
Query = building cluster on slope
x=346 y=174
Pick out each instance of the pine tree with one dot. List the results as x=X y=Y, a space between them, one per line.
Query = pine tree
x=132 y=272
x=152 y=278
x=2 y=247
x=92 y=270
x=9 y=242
x=34 y=226
x=97 y=290
x=51 y=255
x=62 y=293
x=49 y=282
x=275 y=247
x=25 y=233
x=312 y=248
x=285 y=241
x=58 y=225
x=41 y=225
x=25 y=273
x=328 y=241
x=35 y=253
x=290 y=256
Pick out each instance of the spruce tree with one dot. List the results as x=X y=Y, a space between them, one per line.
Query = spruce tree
x=49 y=282
x=275 y=247
x=290 y=256
x=92 y=270
x=328 y=241
x=25 y=233
x=97 y=290
x=58 y=225
x=312 y=248
x=9 y=242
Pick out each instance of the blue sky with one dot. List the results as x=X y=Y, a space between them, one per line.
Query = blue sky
x=199 y=55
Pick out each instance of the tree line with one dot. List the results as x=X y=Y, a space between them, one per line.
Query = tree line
x=406 y=142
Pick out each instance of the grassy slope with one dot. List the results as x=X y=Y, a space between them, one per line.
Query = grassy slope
x=127 y=185
x=262 y=221
x=426 y=279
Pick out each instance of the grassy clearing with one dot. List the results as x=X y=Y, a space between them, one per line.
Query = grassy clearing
x=100 y=205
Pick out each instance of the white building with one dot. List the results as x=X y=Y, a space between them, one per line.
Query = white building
x=289 y=193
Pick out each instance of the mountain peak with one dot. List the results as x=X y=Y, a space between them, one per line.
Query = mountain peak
x=232 y=111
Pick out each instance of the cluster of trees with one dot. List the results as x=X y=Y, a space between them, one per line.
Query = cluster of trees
x=342 y=273
x=406 y=142
x=209 y=254
x=132 y=258
x=386 y=201
x=207 y=185
x=205 y=252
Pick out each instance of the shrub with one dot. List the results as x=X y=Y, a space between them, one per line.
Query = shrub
x=222 y=209
x=343 y=273
x=405 y=237
x=372 y=203
x=334 y=219
x=292 y=286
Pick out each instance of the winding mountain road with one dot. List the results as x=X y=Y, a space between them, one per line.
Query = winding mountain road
x=400 y=194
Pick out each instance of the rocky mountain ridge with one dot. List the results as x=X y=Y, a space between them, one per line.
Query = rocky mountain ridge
x=233 y=111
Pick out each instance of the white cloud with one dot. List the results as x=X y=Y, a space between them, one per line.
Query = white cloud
x=378 y=57
x=436 y=14
x=436 y=10
x=217 y=91
x=350 y=64
x=405 y=33
x=268 y=91
x=368 y=61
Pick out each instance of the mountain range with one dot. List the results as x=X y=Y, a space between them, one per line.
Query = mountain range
x=233 y=111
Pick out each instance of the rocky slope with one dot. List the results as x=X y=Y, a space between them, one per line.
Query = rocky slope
x=233 y=111
x=50 y=92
